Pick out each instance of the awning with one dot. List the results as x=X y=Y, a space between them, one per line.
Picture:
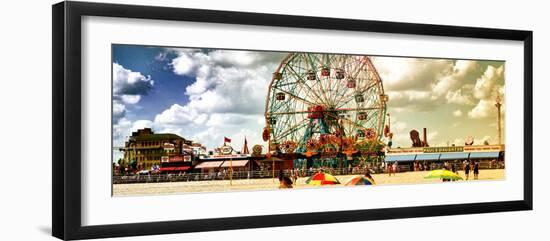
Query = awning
x=427 y=157
x=166 y=169
x=185 y=168
x=172 y=169
x=454 y=156
x=483 y=155
x=399 y=158
x=238 y=163
x=214 y=164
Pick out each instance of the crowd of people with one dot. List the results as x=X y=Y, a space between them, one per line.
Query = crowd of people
x=467 y=166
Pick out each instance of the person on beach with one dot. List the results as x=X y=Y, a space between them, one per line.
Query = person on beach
x=466 y=170
x=446 y=167
x=476 y=170
x=285 y=182
x=453 y=169
x=280 y=175
x=295 y=175
x=369 y=176
x=395 y=168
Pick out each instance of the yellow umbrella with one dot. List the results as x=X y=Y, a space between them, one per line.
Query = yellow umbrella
x=443 y=174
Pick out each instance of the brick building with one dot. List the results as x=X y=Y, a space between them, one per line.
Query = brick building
x=149 y=148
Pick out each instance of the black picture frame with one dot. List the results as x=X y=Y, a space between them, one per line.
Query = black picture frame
x=67 y=137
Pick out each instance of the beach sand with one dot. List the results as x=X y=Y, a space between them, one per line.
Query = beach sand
x=141 y=189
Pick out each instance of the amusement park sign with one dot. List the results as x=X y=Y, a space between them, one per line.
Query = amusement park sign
x=443 y=149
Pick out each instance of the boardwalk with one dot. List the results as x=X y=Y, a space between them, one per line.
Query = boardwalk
x=267 y=184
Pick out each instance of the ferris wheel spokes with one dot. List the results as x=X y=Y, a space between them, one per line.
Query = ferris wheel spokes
x=313 y=95
x=303 y=83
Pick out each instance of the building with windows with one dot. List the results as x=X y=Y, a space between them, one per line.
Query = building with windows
x=487 y=155
x=148 y=148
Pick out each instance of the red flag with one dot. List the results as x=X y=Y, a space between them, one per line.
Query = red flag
x=225 y=139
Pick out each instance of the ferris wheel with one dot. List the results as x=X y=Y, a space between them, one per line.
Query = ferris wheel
x=315 y=101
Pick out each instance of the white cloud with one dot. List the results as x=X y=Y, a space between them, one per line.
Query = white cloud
x=185 y=63
x=130 y=99
x=128 y=86
x=431 y=136
x=226 y=99
x=458 y=142
x=127 y=82
x=226 y=81
x=234 y=58
x=161 y=56
x=402 y=139
x=119 y=110
x=486 y=84
x=140 y=124
x=417 y=84
x=481 y=110
x=410 y=99
x=477 y=140
x=399 y=126
x=411 y=73
x=481 y=141
x=227 y=96
x=209 y=128
x=462 y=96
x=227 y=119
x=457 y=113
x=455 y=79
x=485 y=91
x=177 y=115
x=122 y=129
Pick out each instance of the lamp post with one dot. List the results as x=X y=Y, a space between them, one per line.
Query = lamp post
x=498 y=104
x=389 y=122
x=389 y=134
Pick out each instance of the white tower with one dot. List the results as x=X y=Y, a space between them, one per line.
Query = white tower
x=498 y=104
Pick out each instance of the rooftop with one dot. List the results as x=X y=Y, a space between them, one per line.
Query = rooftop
x=157 y=137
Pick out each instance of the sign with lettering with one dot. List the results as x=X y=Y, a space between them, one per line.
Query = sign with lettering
x=168 y=147
x=226 y=150
x=176 y=158
x=443 y=149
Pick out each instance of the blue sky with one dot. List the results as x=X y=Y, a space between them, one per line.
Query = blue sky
x=205 y=94
x=152 y=61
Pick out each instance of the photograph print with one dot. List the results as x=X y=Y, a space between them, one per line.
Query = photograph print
x=194 y=120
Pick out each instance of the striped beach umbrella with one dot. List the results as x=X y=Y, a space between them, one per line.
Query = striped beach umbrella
x=443 y=174
x=322 y=179
x=360 y=180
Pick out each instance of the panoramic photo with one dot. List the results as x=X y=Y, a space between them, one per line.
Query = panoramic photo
x=188 y=120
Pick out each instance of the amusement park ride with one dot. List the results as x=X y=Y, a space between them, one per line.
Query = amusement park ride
x=325 y=108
